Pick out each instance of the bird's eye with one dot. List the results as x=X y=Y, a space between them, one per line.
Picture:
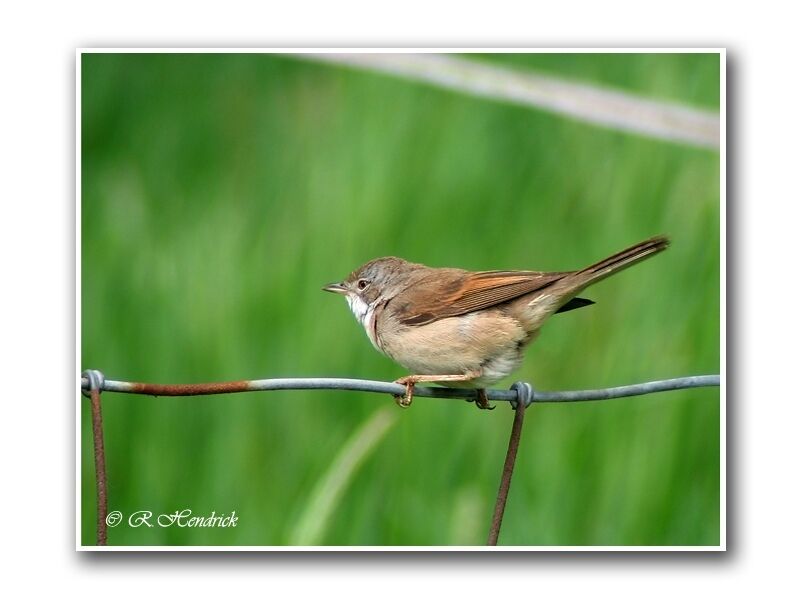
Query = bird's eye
x=362 y=284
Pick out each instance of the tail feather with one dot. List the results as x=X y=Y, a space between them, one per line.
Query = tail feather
x=561 y=295
x=575 y=303
x=623 y=260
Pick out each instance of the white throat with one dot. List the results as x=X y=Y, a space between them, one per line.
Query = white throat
x=365 y=314
x=360 y=309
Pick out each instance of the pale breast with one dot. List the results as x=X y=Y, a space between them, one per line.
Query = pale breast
x=489 y=341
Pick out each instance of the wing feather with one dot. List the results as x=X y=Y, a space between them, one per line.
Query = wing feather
x=452 y=292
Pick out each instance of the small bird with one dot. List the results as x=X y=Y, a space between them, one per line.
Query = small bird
x=461 y=328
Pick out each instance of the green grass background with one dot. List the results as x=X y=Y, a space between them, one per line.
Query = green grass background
x=220 y=192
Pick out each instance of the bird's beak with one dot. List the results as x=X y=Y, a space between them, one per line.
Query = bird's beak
x=336 y=288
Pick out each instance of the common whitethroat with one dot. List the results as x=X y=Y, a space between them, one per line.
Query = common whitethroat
x=461 y=328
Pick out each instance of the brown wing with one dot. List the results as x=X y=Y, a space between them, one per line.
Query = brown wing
x=452 y=292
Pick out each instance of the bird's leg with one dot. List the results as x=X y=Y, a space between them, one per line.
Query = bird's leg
x=482 y=401
x=410 y=381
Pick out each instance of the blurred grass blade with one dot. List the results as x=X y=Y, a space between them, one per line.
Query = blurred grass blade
x=467 y=519
x=604 y=106
x=313 y=522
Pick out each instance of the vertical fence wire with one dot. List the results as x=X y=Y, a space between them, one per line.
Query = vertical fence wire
x=524 y=392
x=95 y=386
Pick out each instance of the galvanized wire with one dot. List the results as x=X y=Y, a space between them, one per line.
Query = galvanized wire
x=383 y=387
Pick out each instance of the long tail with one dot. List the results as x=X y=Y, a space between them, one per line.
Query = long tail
x=561 y=296
x=577 y=281
x=623 y=260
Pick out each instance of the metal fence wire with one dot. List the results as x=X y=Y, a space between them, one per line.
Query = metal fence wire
x=520 y=396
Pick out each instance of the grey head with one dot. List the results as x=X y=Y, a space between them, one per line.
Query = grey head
x=381 y=278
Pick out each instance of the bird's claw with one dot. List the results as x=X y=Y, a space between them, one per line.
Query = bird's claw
x=404 y=400
x=482 y=401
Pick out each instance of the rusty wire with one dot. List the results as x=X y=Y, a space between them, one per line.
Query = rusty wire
x=520 y=396
x=525 y=394
x=95 y=385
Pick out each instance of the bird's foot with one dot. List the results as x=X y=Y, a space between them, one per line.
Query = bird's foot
x=404 y=401
x=410 y=381
x=482 y=401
